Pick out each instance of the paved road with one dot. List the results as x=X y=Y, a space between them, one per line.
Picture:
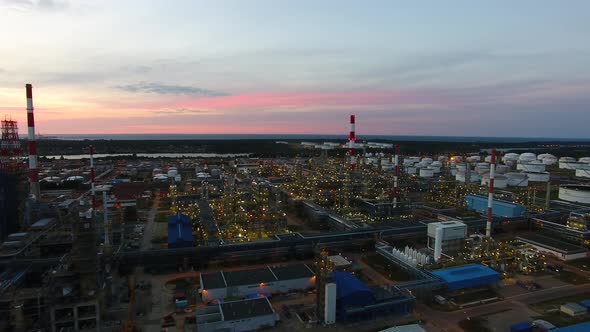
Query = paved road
x=150 y=226
x=447 y=321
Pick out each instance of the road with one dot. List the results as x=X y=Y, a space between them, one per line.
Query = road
x=447 y=321
x=150 y=227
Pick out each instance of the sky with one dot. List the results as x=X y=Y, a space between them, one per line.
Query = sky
x=456 y=68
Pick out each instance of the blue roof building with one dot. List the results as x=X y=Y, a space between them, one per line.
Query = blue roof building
x=351 y=292
x=500 y=209
x=467 y=276
x=180 y=231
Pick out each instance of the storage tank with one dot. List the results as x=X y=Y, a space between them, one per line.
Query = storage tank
x=435 y=169
x=500 y=181
x=537 y=176
x=461 y=167
x=426 y=172
x=575 y=193
x=411 y=170
x=549 y=160
x=427 y=160
x=510 y=157
x=501 y=169
x=571 y=164
x=517 y=179
x=583 y=172
x=473 y=159
x=172 y=172
x=585 y=160
x=534 y=166
x=453 y=171
x=75 y=178
x=443 y=158
x=527 y=156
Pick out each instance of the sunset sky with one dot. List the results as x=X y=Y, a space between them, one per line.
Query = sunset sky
x=457 y=68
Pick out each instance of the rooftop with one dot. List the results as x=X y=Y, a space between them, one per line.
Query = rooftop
x=551 y=243
x=465 y=272
x=246 y=309
x=294 y=271
x=248 y=277
x=212 y=280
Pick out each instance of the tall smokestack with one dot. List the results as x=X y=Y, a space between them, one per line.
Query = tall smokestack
x=351 y=143
x=491 y=194
x=33 y=168
x=92 y=191
x=395 y=175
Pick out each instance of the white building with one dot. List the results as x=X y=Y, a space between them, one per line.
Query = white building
x=268 y=280
x=446 y=236
x=237 y=316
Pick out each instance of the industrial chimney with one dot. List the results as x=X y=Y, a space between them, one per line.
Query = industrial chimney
x=33 y=167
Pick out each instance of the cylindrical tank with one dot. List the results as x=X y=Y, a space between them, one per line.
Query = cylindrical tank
x=537 y=176
x=517 y=179
x=501 y=169
x=453 y=171
x=461 y=167
x=585 y=160
x=411 y=170
x=426 y=172
x=500 y=181
x=527 y=156
x=460 y=176
x=583 y=172
x=533 y=166
x=473 y=159
x=575 y=193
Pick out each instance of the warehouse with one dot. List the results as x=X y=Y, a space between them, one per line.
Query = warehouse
x=356 y=301
x=500 y=209
x=468 y=276
x=548 y=245
x=268 y=280
x=180 y=232
x=243 y=315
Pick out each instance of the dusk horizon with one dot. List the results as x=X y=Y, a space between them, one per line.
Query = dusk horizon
x=496 y=69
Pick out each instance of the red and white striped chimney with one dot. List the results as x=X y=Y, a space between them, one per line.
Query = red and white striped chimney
x=33 y=167
x=491 y=194
x=351 y=143
x=92 y=190
x=395 y=175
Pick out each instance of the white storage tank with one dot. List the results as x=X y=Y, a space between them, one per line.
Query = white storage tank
x=435 y=169
x=571 y=164
x=500 y=181
x=460 y=176
x=575 y=193
x=473 y=159
x=426 y=172
x=411 y=170
x=443 y=158
x=461 y=167
x=501 y=169
x=583 y=172
x=510 y=157
x=585 y=160
x=538 y=176
x=534 y=166
x=427 y=160
x=527 y=156
x=517 y=179
x=453 y=171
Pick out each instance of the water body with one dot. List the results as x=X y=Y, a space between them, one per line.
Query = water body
x=152 y=155
x=142 y=137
